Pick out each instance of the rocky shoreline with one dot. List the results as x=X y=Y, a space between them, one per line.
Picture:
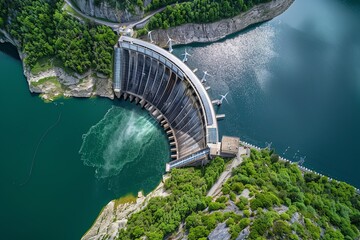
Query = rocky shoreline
x=88 y=84
x=210 y=32
x=114 y=216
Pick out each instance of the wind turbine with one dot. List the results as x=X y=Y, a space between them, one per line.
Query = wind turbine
x=169 y=42
x=302 y=160
x=185 y=56
x=295 y=155
x=222 y=98
x=203 y=79
x=268 y=145
x=150 y=37
x=286 y=150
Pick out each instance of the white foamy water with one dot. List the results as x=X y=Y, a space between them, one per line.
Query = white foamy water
x=121 y=137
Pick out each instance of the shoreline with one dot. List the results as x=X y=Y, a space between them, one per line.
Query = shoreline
x=302 y=168
x=103 y=227
x=212 y=32
x=113 y=216
x=55 y=82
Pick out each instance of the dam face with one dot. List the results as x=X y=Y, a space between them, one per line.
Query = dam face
x=171 y=92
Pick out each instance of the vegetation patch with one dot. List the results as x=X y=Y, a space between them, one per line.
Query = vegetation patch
x=197 y=11
x=283 y=203
x=163 y=215
x=52 y=88
x=47 y=80
x=45 y=31
x=42 y=65
x=126 y=199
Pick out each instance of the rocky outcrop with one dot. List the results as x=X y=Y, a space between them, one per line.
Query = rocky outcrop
x=114 y=217
x=105 y=11
x=220 y=233
x=9 y=39
x=209 y=32
x=76 y=85
x=5 y=37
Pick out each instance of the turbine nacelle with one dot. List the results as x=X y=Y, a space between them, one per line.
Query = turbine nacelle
x=224 y=97
x=185 y=54
x=268 y=145
x=203 y=79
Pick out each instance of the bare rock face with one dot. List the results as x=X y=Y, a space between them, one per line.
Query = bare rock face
x=85 y=85
x=220 y=233
x=104 y=10
x=209 y=32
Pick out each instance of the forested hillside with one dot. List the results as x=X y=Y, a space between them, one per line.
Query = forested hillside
x=197 y=11
x=45 y=32
x=263 y=199
x=120 y=4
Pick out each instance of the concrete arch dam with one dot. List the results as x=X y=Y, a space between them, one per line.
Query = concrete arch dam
x=172 y=93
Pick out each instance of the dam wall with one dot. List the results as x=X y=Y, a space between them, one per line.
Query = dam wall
x=170 y=91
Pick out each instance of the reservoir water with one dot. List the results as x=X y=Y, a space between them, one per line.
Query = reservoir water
x=293 y=81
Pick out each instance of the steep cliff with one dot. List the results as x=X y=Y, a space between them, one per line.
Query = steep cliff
x=209 y=32
x=104 y=10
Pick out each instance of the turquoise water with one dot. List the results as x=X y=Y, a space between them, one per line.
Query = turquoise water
x=66 y=190
x=293 y=81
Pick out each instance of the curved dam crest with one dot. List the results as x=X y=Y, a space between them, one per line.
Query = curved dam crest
x=171 y=92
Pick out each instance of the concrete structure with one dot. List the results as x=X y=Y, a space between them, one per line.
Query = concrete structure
x=172 y=93
x=229 y=146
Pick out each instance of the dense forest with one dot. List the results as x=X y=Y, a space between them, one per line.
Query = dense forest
x=121 y=4
x=270 y=198
x=45 y=31
x=3 y=13
x=162 y=216
x=198 y=11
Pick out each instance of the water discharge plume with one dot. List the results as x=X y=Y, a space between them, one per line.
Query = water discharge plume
x=121 y=137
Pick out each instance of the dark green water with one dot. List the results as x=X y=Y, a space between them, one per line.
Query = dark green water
x=63 y=196
x=293 y=81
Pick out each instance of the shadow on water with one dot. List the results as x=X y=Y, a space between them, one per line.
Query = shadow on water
x=9 y=50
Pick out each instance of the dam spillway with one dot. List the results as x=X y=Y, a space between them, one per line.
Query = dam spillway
x=171 y=92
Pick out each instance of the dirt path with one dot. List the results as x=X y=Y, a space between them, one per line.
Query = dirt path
x=216 y=188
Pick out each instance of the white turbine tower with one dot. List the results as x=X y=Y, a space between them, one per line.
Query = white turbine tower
x=203 y=79
x=222 y=99
x=302 y=160
x=185 y=56
x=150 y=37
x=169 y=42
x=268 y=145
